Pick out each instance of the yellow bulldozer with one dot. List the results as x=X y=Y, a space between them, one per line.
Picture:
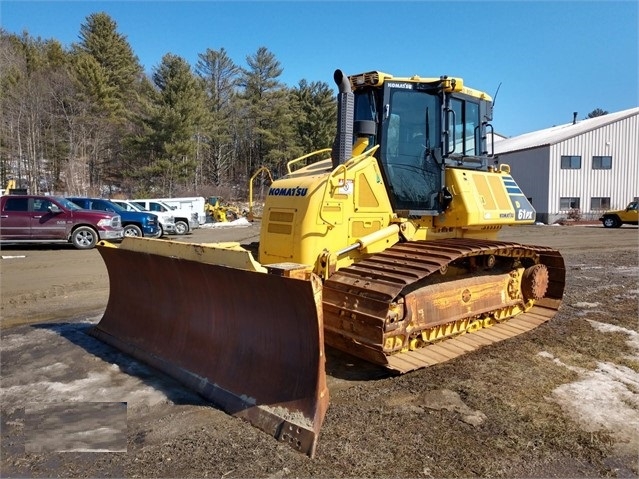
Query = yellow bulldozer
x=384 y=246
x=219 y=212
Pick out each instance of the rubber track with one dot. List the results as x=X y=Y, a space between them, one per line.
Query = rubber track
x=364 y=291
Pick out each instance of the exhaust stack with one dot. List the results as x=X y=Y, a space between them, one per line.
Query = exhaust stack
x=343 y=144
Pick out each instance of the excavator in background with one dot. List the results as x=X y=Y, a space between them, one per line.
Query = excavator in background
x=385 y=247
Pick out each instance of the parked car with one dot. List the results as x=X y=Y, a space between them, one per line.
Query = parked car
x=54 y=219
x=185 y=220
x=135 y=223
x=614 y=219
x=167 y=220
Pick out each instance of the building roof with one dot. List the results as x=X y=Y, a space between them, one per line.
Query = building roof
x=557 y=134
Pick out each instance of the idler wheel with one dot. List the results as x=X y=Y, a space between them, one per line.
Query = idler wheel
x=534 y=282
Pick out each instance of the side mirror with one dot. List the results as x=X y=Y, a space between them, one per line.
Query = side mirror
x=54 y=209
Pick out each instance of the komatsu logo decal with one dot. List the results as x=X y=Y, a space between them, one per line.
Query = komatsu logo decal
x=407 y=86
x=288 y=191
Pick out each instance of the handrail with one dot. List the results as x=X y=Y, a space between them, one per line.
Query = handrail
x=345 y=166
x=259 y=170
x=297 y=160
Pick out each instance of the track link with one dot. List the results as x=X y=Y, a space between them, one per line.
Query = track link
x=364 y=303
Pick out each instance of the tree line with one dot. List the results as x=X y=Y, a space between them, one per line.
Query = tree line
x=87 y=120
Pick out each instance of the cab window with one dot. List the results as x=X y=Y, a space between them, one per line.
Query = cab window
x=41 y=204
x=17 y=204
x=466 y=126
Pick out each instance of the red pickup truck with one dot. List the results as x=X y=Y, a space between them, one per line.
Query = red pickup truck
x=54 y=219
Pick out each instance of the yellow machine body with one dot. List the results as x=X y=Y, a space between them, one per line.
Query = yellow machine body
x=319 y=209
x=218 y=211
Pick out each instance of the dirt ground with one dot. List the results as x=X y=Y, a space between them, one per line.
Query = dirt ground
x=559 y=401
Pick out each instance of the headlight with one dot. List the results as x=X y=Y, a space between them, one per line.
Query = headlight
x=112 y=222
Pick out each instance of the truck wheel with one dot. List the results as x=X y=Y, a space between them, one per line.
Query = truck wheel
x=132 y=230
x=611 y=222
x=181 y=227
x=84 y=237
x=160 y=232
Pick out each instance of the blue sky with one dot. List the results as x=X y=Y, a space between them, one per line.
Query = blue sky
x=551 y=57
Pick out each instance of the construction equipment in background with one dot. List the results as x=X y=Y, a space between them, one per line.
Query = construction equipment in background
x=263 y=170
x=385 y=247
x=220 y=212
x=11 y=188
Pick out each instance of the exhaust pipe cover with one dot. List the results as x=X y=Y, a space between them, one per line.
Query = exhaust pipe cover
x=343 y=144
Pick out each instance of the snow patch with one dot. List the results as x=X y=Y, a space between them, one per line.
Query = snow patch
x=227 y=224
x=53 y=377
x=586 y=305
x=606 y=398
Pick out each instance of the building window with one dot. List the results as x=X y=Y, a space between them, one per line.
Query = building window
x=599 y=203
x=566 y=204
x=570 y=162
x=602 y=162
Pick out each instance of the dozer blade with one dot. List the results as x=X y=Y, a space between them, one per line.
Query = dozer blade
x=233 y=335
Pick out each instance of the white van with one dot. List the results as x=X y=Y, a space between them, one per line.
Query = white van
x=185 y=220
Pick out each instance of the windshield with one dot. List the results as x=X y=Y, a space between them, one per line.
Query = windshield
x=134 y=207
x=115 y=206
x=69 y=205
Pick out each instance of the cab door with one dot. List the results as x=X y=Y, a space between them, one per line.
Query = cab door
x=629 y=215
x=48 y=220
x=15 y=219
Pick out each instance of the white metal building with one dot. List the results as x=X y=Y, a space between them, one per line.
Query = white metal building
x=589 y=165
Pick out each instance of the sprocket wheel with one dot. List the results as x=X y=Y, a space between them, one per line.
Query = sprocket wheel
x=534 y=282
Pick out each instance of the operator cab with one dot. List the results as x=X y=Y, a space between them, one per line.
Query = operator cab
x=422 y=126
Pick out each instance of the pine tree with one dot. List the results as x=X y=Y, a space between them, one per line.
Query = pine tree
x=597 y=112
x=109 y=77
x=221 y=78
x=118 y=69
x=316 y=115
x=177 y=120
x=269 y=116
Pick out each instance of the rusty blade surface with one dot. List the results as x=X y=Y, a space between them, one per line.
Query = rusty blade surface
x=252 y=343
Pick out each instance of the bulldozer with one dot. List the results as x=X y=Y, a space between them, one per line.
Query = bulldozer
x=219 y=212
x=384 y=246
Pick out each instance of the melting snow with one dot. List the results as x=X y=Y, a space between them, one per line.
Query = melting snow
x=606 y=398
x=227 y=224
